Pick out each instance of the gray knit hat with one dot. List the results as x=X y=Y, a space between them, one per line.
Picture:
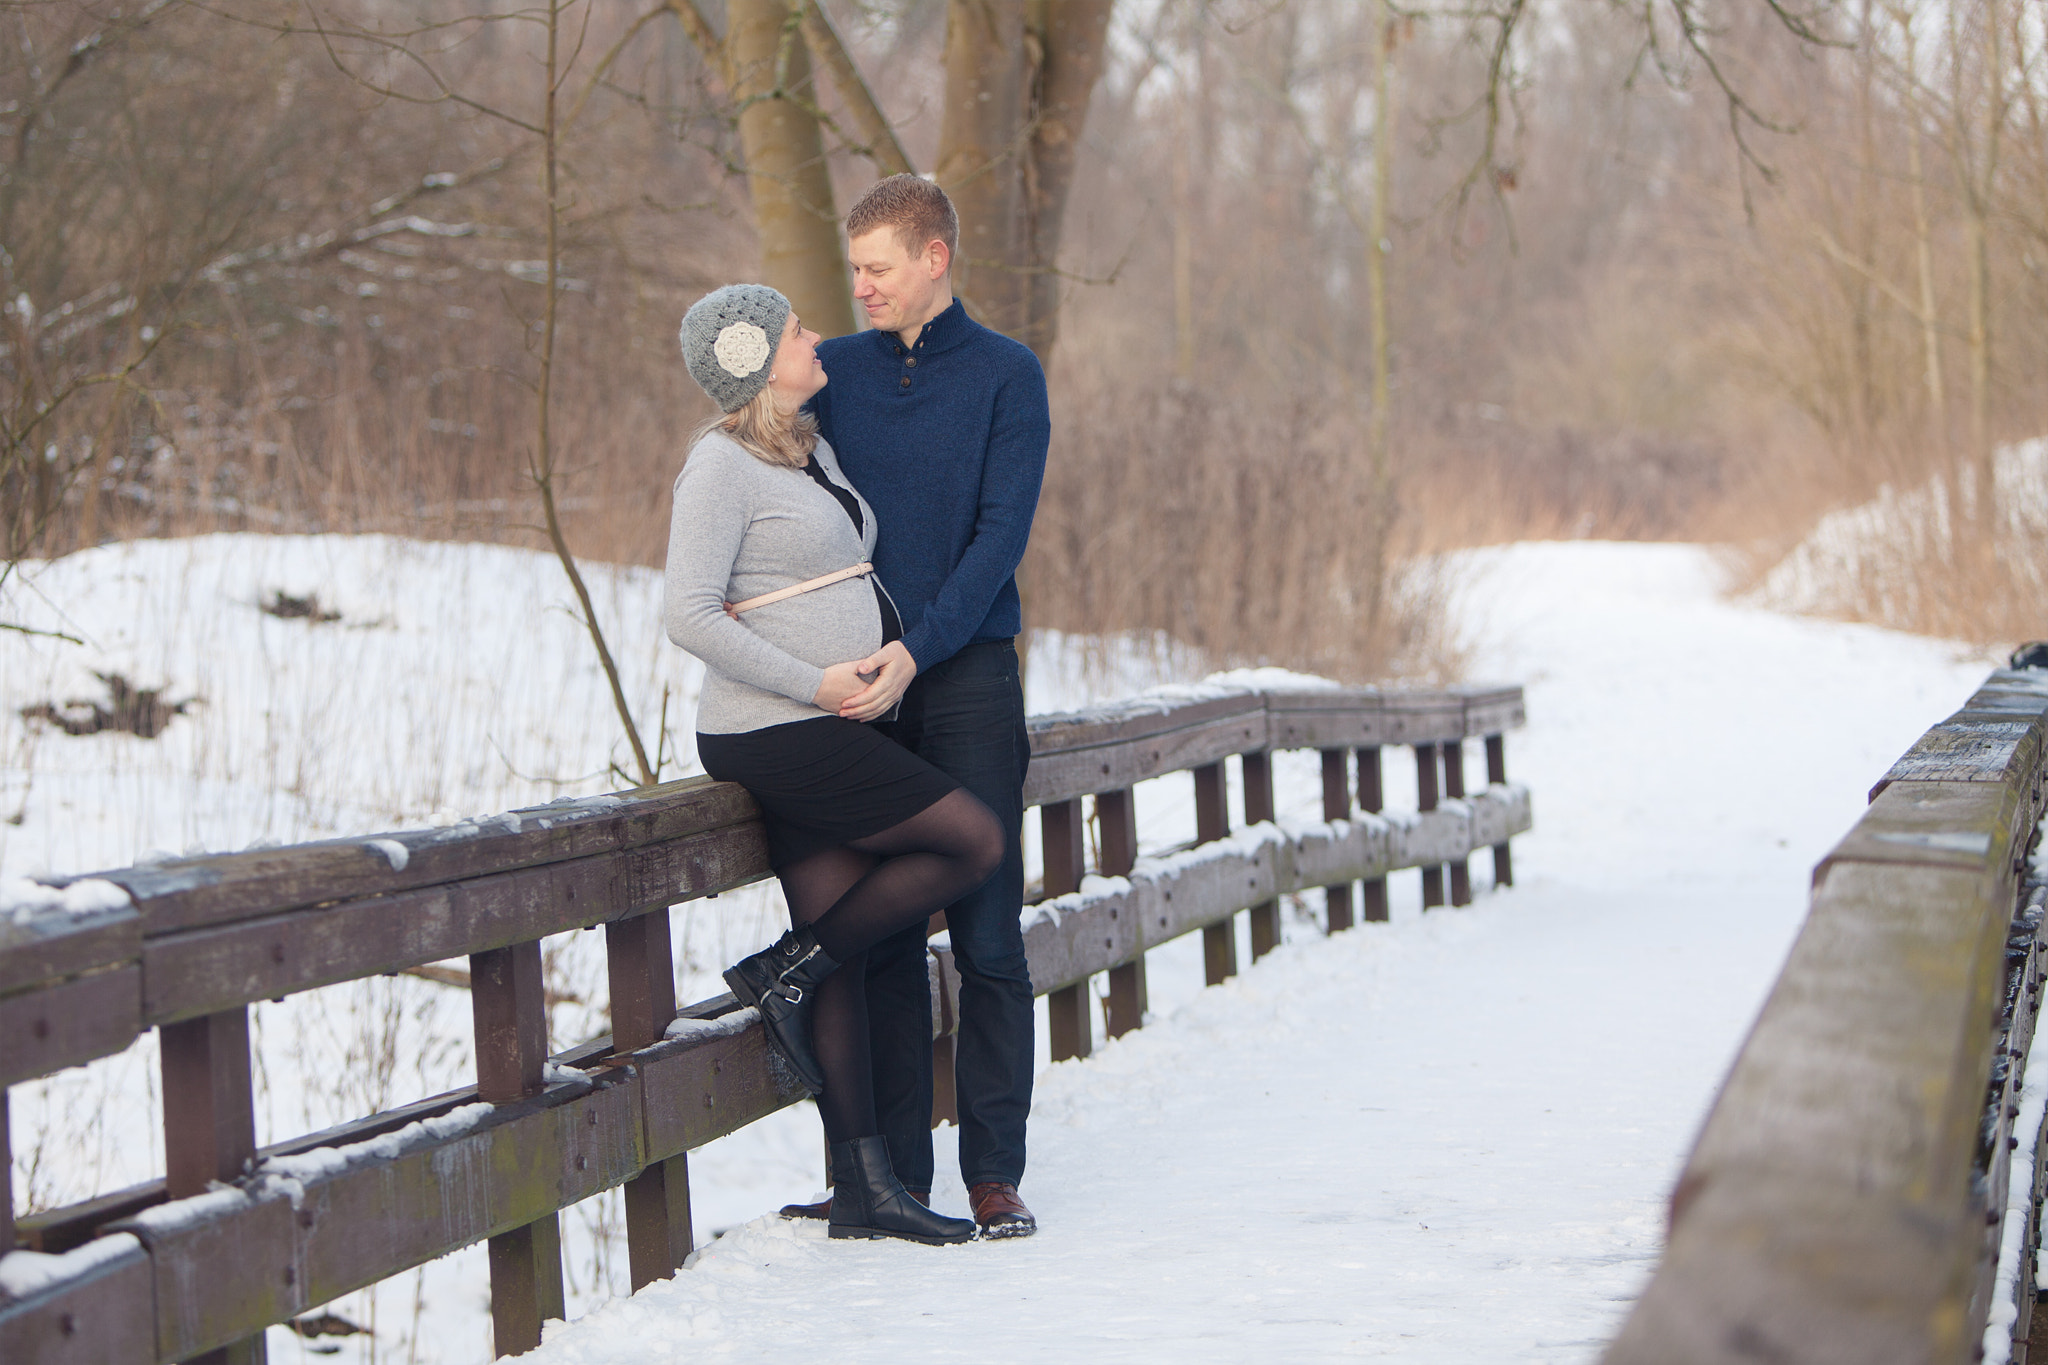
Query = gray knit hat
x=729 y=340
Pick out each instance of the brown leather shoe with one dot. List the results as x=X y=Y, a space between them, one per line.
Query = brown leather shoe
x=999 y=1211
x=822 y=1210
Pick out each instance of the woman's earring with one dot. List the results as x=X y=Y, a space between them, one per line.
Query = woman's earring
x=771 y=376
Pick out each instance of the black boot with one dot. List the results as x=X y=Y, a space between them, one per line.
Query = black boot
x=779 y=981
x=868 y=1200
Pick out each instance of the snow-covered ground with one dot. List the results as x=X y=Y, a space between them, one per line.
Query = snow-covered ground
x=1447 y=1138
x=1869 y=562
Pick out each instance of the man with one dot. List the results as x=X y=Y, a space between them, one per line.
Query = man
x=942 y=425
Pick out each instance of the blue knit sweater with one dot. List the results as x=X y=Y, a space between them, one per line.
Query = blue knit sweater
x=946 y=440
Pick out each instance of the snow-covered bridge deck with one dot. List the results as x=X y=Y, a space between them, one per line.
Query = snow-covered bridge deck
x=1447 y=1138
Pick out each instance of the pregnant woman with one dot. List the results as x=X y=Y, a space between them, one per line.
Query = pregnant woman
x=768 y=583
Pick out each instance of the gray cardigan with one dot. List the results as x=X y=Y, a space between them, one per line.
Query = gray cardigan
x=743 y=527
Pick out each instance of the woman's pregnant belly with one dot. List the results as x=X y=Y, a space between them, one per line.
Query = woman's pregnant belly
x=830 y=625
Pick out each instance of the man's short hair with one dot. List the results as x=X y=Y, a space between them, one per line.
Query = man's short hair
x=918 y=210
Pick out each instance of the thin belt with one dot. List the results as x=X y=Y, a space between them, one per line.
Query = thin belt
x=861 y=570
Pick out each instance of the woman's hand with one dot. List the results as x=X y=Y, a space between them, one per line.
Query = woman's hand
x=887 y=673
x=841 y=682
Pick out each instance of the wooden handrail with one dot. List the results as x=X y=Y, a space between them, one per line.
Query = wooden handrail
x=202 y=938
x=1844 y=1199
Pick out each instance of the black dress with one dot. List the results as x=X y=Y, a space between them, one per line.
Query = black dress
x=824 y=782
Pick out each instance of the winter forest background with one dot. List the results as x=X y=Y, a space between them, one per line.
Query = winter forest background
x=332 y=333
x=1691 y=269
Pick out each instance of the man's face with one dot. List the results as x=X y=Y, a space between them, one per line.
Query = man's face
x=896 y=288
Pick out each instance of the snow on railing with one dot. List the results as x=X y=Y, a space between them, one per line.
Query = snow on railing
x=234 y=1239
x=1866 y=1187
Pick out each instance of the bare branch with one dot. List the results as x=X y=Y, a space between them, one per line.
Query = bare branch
x=881 y=145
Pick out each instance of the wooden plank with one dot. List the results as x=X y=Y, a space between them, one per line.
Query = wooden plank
x=709 y=1080
x=1424 y=717
x=1066 y=949
x=1062 y=773
x=96 y=1308
x=1826 y=1212
x=1123 y=1009
x=2000 y=750
x=1134 y=721
x=1427 y=768
x=1264 y=917
x=1963 y=825
x=658 y=1220
x=69 y=1023
x=182 y=893
x=1069 y=1026
x=641 y=971
x=367 y=1214
x=1067 y=944
x=55 y=945
x=1337 y=913
x=203 y=970
x=526 y=1284
x=1212 y=821
x=1061 y=830
x=1372 y=890
x=1490 y=710
x=1342 y=718
x=1453 y=752
x=209 y=1105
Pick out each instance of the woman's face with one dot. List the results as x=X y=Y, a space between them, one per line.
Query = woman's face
x=795 y=373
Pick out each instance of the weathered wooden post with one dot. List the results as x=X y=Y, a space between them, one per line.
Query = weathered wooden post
x=1258 y=806
x=1336 y=806
x=509 y=1006
x=1426 y=800
x=1372 y=800
x=1454 y=787
x=640 y=962
x=1069 y=1030
x=1497 y=775
x=209 y=1125
x=1212 y=821
x=1123 y=1009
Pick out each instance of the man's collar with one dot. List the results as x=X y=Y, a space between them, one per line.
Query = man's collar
x=951 y=327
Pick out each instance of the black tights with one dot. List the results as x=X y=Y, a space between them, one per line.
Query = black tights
x=855 y=896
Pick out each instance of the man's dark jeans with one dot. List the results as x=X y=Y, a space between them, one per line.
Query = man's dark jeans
x=966 y=718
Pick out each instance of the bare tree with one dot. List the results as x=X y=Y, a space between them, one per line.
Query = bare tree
x=355 y=47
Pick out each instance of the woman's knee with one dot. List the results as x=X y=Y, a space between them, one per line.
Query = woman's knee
x=985 y=843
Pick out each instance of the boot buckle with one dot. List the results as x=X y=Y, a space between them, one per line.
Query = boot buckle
x=793 y=994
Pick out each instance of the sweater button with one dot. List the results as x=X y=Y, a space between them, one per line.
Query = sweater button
x=906 y=381
x=912 y=362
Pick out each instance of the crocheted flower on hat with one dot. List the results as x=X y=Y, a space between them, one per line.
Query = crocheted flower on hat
x=741 y=348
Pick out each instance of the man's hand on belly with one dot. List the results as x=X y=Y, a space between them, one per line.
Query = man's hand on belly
x=888 y=672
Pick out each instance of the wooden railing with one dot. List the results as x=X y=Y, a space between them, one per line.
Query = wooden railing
x=1845 y=1198
x=235 y=1238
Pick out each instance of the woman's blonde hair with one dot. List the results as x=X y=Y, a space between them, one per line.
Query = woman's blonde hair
x=768 y=433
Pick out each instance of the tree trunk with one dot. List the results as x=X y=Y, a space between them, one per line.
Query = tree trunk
x=1376 y=252
x=786 y=170
x=1923 y=242
x=1071 y=36
x=978 y=157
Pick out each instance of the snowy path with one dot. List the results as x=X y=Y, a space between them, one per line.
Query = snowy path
x=1443 y=1139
